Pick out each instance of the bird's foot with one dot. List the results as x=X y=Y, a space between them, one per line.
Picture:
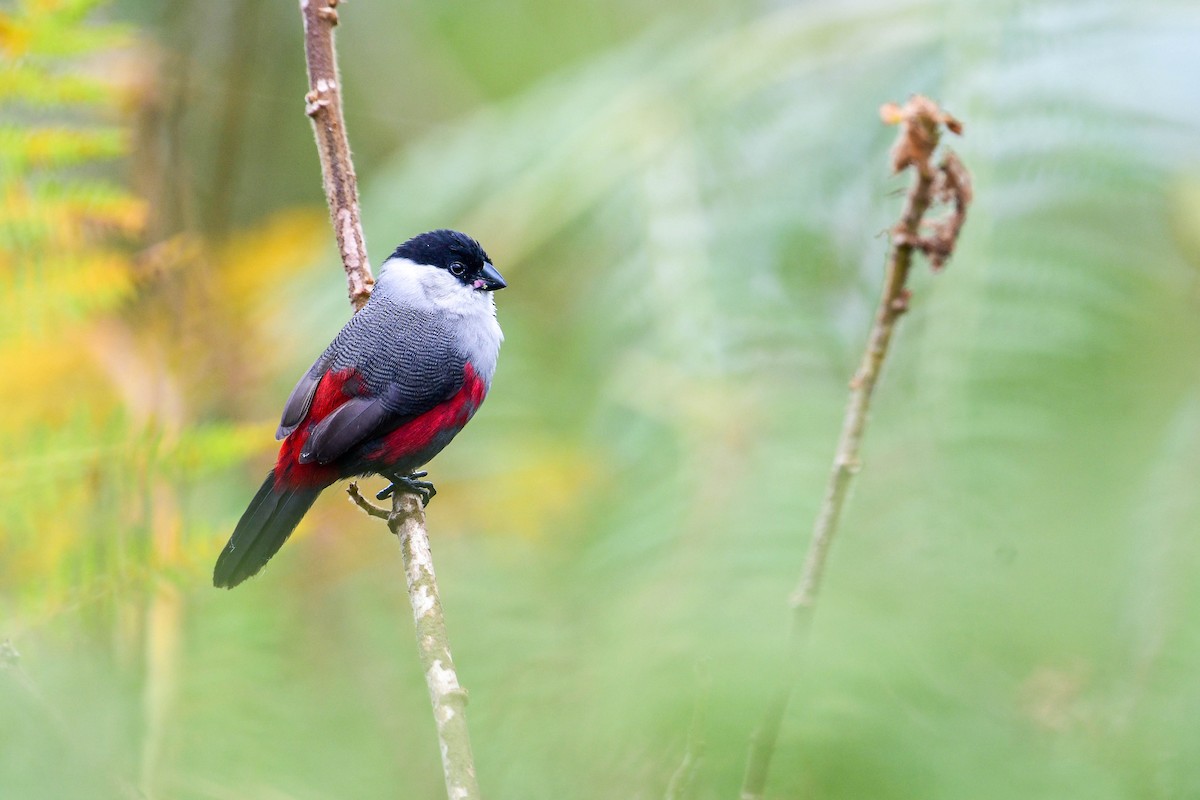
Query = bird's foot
x=410 y=483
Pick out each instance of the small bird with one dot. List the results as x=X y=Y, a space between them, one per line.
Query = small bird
x=397 y=383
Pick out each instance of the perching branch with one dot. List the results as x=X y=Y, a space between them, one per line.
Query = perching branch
x=407 y=518
x=323 y=104
x=407 y=521
x=449 y=699
x=920 y=122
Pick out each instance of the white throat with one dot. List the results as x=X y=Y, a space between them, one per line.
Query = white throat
x=421 y=286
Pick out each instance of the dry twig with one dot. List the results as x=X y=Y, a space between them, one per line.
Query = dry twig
x=323 y=104
x=920 y=122
x=366 y=505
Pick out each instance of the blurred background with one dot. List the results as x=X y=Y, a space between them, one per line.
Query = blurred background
x=688 y=200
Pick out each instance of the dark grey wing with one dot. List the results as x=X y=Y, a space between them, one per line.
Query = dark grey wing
x=300 y=400
x=348 y=424
x=405 y=357
x=406 y=363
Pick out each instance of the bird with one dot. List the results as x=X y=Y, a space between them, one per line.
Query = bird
x=397 y=383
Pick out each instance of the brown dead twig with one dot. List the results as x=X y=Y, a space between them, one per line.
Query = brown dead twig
x=366 y=505
x=323 y=104
x=921 y=122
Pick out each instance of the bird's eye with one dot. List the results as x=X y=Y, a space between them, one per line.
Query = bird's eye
x=457 y=269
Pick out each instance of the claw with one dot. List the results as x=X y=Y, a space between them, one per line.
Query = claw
x=411 y=483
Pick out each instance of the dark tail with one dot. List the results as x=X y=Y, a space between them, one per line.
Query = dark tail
x=266 y=524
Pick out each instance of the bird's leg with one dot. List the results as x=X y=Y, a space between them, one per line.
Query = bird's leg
x=412 y=483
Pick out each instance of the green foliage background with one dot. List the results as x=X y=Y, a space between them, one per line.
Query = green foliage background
x=687 y=201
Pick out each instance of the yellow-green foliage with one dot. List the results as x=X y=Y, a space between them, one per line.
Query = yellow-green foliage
x=100 y=386
x=66 y=264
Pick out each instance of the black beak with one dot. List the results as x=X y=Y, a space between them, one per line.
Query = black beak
x=489 y=279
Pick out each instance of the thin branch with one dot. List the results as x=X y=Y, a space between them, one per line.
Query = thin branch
x=323 y=104
x=920 y=122
x=683 y=782
x=365 y=504
x=407 y=517
x=407 y=521
x=449 y=698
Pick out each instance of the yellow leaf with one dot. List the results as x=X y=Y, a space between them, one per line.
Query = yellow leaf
x=254 y=260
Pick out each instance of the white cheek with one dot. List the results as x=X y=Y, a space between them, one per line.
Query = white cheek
x=421 y=286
